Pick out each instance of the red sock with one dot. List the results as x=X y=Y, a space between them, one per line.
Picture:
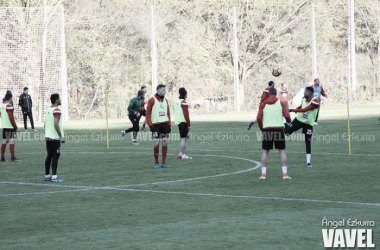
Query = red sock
x=12 y=149
x=3 y=147
x=164 y=152
x=156 y=153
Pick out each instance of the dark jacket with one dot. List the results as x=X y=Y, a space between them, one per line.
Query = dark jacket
x=134 y=106
x=25 y=101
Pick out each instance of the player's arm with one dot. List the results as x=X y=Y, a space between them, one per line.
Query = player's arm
x=285 y=113
x=20 y=101
x=185 y=108
x=57 y=116
x=313 y=105
x=170 y=122
x=260 y=115
x=10 y=110
x=149 y=112
x=264 y=96
x=323 y=92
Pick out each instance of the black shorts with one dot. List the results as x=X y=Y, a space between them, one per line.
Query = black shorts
x=276 y=136
x=9 y=133
x=53 y=147
x=296 y=125
x=160 y=131
x=183 y=130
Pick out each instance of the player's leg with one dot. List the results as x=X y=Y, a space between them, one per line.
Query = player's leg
x=267 y=144
x=30 y=115
x=280 y=144
x=294 y=126
x=49 y=157
x=184 y=135
x=4 y=145
x=25 y=115
x=316 y=118
x=308 y=131
x=143 y=113
x=56 y=152
x=156 y=147
x=123 y=132
x=136 y=129
x=165 y=129
x=264 y=161
x=12 y=150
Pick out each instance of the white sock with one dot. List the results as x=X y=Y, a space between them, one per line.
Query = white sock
x=284 y=169
x=263 y=170
x=180 y=153
x=47 y=176
x=308 y=156
x=54 y=176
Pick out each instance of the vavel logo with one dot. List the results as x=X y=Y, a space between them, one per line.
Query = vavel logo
x=348 y=238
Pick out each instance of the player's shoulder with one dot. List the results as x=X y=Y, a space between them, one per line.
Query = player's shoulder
x=266 y=90
x=9 y=107
x=315 y=101
x=184 y=103
x=56 y=111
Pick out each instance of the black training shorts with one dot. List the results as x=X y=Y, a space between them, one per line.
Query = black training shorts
x=9 y=133
x=183 y=130
x=273 y=136
x=161 y=130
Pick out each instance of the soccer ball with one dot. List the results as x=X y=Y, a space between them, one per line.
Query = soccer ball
x=276 y=72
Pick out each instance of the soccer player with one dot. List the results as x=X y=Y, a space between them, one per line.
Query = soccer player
x=9 y=128
x=134 y=115
x=283 y=95
x=158 y=119
x=54 y=136
x=318 y=91
x=270 y=122
x=182 y=119
x=305 y=119
x=143 y=110
x=25 y=101
x=264 y=96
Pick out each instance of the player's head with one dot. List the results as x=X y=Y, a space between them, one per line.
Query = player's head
x=8 y=97
x=55 y=99
x=161 y=89
x=283 y=85
x=316 y=81
x=26 y=90
x=182 y=93
x=143 y=88
x=309 y=91
x=8 y=91
x=141 y=94
x=271 y=84
x=272 y=91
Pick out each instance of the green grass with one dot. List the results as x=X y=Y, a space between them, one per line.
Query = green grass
x=114 y=199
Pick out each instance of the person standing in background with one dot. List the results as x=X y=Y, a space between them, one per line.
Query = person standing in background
x=25 y=101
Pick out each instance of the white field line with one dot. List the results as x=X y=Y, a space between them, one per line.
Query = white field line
x=203 y=150
x=188 y=193
x=119 y=188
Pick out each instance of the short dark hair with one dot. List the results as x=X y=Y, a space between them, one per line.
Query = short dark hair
x=54 y=98
x=310 y=89
x=270 y=83
x=142 y=87
x=140 y=92
x=8 y=96
x=182 y=93
x=160 y=86
x=273 y=91
x=26 y=88
x=8 y=91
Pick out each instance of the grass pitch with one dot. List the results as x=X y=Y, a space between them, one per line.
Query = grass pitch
x=114 y=199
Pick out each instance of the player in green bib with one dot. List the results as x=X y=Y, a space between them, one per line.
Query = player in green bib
x=182 y=119
x=158 y=119
x=270 y=121
x=305 y=119
x=9 y=127
x=54 y=136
